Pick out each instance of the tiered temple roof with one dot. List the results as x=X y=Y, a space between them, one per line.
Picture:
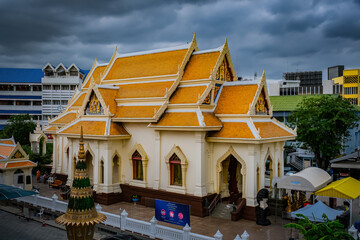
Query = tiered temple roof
x=178 y=88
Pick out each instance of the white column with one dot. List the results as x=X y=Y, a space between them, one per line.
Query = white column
x=60 y=151
x=157 y=161
x=55 y=159
x=70 y=160
x=107 y=168
x=199 y=165
x=64 y=157
x=250 y=188
x=96 y=165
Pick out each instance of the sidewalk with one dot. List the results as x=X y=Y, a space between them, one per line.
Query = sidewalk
x=206 y=226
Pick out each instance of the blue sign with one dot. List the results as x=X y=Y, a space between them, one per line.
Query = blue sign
x=171 y=212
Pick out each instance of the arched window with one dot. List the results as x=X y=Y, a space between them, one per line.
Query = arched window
x=175 y=170
x=137 y=166
x=116 y=170
x=102 y=172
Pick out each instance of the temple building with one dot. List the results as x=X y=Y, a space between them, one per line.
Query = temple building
x=171 y=124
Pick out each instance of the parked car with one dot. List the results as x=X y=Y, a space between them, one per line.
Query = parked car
x=289 y=173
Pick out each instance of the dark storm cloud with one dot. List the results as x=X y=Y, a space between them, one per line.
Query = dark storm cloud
x=275 y=35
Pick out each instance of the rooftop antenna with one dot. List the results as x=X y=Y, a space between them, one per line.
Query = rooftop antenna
x=255 y=76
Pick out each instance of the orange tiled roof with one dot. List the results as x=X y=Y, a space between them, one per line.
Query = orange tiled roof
x=211 y=120
x=79 y=101
x=109 y=97
x=89 y=127
x=187 y=94
x=7 y=141
x=95 y=128
x=117 y=129
x=155 y=64
x=136 y=111
x=6 y=150
x=20 y=164
x=233 y=130
x=50 y=129
x=200 y=66
x=144 y=90
x=271 y=130
x=65 y=118
x=96 y=75
x=235 y=99
x=178 y=119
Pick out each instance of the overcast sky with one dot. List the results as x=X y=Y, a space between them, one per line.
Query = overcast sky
x=274 y=35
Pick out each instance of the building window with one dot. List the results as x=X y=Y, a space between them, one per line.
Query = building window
x=4 y=117
x=23 y=103
x=175 y=170
x=47 y=102
x=47 y=87
x=28 y=179
x=56 y=87
x=6 y=87
x=37 y=103
x=23 y=88
x=64 y=102
x=56 y=102
x=64 y=87
x=6 y=102
x=137 y=166
x=72 y=87
x=102 y=172
x=73 y=72
x=36 y=88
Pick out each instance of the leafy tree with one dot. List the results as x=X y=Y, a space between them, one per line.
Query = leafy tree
x=19 y=126
x=328 y=230
x=322 y=124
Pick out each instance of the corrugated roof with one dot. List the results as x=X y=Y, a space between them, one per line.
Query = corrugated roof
x=289 y=103
x=20 y=75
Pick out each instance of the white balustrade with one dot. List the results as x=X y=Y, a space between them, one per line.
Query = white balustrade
x=151 y=229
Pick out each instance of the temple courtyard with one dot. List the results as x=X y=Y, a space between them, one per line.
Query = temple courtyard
x=206 y=226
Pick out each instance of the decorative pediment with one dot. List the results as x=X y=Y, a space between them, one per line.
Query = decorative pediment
x=261 y=107
x=212 y=95
x=18 y=153
x=94 y=106
x=224 y=73
x=261 y=102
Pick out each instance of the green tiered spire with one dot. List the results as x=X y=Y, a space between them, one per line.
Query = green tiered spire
x=81 y=215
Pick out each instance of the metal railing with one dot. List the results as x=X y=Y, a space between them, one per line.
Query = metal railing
x=122 y=221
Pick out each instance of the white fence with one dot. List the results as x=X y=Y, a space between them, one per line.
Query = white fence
x=151 y=229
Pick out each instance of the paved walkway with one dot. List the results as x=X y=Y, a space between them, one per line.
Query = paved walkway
x=207 y=226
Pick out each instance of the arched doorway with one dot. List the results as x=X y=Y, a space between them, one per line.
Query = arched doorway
x=101 y=172
x=89 y=164
x=231 y=178
x=269 y=173
x=116 y=170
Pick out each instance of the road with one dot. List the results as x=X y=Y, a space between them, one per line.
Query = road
x=13 y=228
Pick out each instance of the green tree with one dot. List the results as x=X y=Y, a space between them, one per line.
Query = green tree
x=323 y=124
x=19 y=126
x=327 y=230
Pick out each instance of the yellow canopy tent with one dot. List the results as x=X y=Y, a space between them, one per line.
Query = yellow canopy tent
x=347 y=188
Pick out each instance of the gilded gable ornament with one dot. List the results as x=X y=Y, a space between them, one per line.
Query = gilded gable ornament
x=18 y=154
x=261 y=107
x=224 y=73
x=94 y=106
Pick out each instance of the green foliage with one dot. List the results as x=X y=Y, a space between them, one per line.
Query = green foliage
x=322 y=124
x=81 y=183
x=328 y=230
x=27 y=149
x=82 y=203
x=19 y=126
x=40 y=160
x=49 y=148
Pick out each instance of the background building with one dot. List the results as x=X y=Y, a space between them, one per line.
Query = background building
x=20 y=93
x=59 y=84
x=335 y=71
x=307 y=79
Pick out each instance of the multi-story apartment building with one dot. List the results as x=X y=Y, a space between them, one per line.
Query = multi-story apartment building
x=20 y=93
x=59 y=84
